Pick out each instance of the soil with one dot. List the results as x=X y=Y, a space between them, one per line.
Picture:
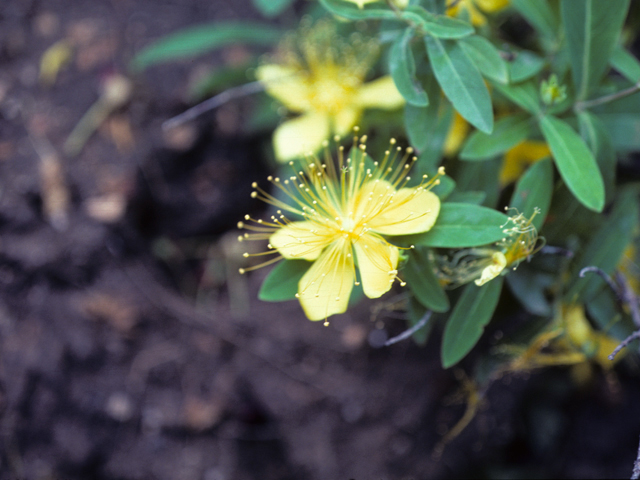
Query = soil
x=130 y=348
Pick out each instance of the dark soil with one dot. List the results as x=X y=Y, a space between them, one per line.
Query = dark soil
x=131 y=349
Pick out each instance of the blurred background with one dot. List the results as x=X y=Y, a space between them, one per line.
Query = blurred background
x=130 y=347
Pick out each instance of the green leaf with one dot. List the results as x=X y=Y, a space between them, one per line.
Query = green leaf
x=440 y=26
x=529 y=286
x=625 y=63
x=353 y=12
x=592 y=29
x=533 y=190
x=623 y=129
x=461 y=82
x=525 y=95
x=481 y=176
x=197 y=40
x=525 y=65
x=467 y=197
x=427 y=127
x=422 y=281
x=272 y=8
x=507 y=133
x=468 y=319
x=282 y=282
x=575 y=162
x=539 y=14
x=486 y=57
x=606 y=246
x=403 y=70
x=461 y=225
x=594 y=132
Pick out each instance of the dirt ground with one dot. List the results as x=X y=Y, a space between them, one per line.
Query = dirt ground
x=131 y=349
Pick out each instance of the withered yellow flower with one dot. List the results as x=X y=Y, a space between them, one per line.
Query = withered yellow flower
x=474 y=9
x=483 y=264
x=321 y=76
x=345 y=210
x=520 y=157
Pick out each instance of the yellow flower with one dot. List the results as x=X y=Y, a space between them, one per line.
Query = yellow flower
x=473 y=9
x=345 y=212
x=482 y=265
x=518 y=158
x=456 y=135
x=361 y=3
x=320 y=76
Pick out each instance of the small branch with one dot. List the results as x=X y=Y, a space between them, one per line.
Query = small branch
x=636 y=467
x=214 y=102
x=407 y=333
x=608 y=98
x=550 y=250
x=624 y=343
x=607 y=278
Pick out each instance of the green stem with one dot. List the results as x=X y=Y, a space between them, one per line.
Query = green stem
x=607 y=98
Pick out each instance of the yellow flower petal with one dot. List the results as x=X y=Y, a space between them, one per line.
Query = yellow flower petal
x=285 y=84
x=300 y=240
x=345 y=120
x=492 y=5
x=361 y=3
x=498 y=264
x=325 y=289
x=299 y=136
x=378 y=263
x=457 y=133
x=520 y=157
x=412 y=211
x=381 y=93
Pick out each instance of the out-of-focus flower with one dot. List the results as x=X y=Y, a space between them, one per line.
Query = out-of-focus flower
x=518 y=158
x=474 y=9
x=481 y=265
x=346 y=210
x=456 y=135
x=551 y=91
x=321 y=76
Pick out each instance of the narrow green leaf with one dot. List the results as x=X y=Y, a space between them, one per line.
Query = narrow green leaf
x=592 y=29
x=533 y=190
x=507 y=133
x=272 y=8
x=529 y=286
x=353 y=12
x=421 y=279
x=606 y=246
x=440 y=26
x=422 y=124
x=524 y=94
x=461 y=225
x=623 y=129
x=475 y=198
x=403 y=69
x=197 y=40
x=524 y=66
x=575 y=162
x=486 y=58
x=282 y=282
x=594 y=132
x=481 y=177
x=468 y=319
x=625 y=63
x=539 y=14
x=461 y=82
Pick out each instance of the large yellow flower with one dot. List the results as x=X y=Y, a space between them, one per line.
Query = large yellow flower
x=345 y=210
x=320 y=76
x=474 y=8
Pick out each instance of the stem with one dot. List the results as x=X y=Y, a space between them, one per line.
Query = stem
x=608 y=98
x=407 y=333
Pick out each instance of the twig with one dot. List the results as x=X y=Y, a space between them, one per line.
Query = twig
x=606 y=278
x=214 y=102
x=407 y=333
x=608 y=98
x=636 y=467
x=624 y=343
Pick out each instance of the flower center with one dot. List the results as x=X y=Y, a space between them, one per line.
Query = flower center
x=331 y=91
